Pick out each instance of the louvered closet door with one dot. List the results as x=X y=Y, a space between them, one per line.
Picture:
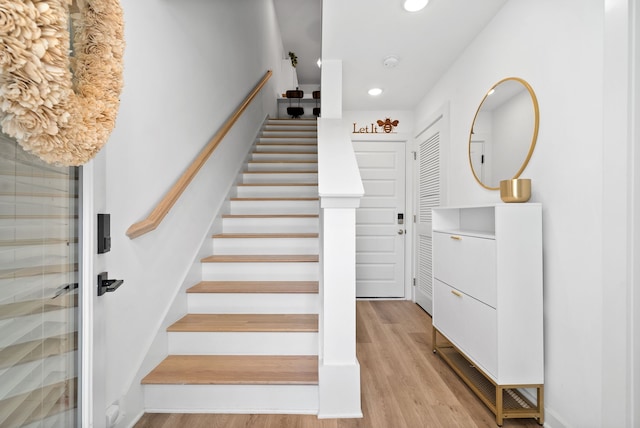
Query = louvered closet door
x=38 y=294
x=428 y=197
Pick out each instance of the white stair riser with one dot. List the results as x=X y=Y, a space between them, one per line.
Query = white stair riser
x=277 y=191
x=274 y=207
x=271 y=225
x=292 y=121
x=265 y=246
x=302 y=271
x=290 y=128
x=290 y=134
x=245 y=343
x=283 y=156
x=282 y=166
x=286 y=147
x=257 y=177
x=275 y=399
x=308 y=127
x=253 y=303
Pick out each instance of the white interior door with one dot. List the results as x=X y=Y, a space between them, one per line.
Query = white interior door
x=380 y=240
x=428 y=186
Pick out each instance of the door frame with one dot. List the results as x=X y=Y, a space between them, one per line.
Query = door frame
x=400 y=138
x=87 y=243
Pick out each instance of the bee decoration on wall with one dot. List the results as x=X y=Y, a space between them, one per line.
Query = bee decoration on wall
x=388 y=125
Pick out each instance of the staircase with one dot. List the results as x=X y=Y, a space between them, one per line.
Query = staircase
x=249 y=343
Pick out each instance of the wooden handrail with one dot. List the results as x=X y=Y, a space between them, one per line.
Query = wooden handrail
x=160 y=211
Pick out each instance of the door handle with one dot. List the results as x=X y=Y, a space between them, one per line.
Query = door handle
x=400 y=231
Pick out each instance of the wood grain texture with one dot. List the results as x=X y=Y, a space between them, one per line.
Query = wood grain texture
x=235 y=370
x=160 y=211
x=261 y=258
x=270 y=216
x=264 y=235
x=275 y=184
x=287 y=161
x=293 y=199
x=282 y=172
x=246 y=323
x=286 y=153
x=404 y=385
x=255 y=287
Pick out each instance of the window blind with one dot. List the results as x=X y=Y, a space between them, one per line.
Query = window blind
x=38 y=290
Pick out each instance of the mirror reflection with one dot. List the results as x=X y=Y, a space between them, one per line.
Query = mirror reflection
x=504 y=132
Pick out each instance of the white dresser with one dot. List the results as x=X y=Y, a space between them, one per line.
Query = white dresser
x=487 y=302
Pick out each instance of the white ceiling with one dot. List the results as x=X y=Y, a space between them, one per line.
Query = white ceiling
x=363 y=32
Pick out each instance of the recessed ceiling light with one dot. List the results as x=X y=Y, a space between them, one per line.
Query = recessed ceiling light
x=375 y=91
x=414 y=5
x=391 y=61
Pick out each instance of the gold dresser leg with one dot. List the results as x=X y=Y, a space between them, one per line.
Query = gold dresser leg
x=499 y=405
x=541 y=404
x=433 y=339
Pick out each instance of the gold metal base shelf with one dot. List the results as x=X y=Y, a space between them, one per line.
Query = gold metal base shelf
x=505 y=401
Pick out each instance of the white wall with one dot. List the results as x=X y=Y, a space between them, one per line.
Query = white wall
x=187 y=67
x=558 y=47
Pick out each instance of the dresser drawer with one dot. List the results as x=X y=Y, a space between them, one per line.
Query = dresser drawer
x=467 y=263
x=469 y=324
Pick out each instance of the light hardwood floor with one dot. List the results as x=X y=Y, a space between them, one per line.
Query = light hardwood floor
x=404 y=385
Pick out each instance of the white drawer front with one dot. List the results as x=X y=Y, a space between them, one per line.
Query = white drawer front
x=469 y=324
x=449 y=315
x=466 y=263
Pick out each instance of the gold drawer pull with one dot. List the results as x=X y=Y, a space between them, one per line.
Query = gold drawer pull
x=456 y=293
x=456 y=237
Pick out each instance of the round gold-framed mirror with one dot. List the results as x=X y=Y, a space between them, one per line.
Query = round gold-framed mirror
x=504 y=132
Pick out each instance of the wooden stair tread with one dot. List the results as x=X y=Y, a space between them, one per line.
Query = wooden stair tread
x=270 y=216
x=281 y=127
x=285 y=153
x=293 y=137
x=310 y=198
x=283 y=161
x=261 y=258
x=246 y=323
x=265 y=235
x=255 y=287
x=282 y=172
x=277 y=184
x=235 y=369
x=282 y=142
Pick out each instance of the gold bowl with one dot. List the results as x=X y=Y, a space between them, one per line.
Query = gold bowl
x=516 y=190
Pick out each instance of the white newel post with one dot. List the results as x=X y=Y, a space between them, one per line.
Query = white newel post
x=340 y=190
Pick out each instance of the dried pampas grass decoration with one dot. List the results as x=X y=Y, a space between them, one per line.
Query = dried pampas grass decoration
x=58 y=107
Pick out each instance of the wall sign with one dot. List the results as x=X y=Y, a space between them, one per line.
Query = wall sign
x=383 y=126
